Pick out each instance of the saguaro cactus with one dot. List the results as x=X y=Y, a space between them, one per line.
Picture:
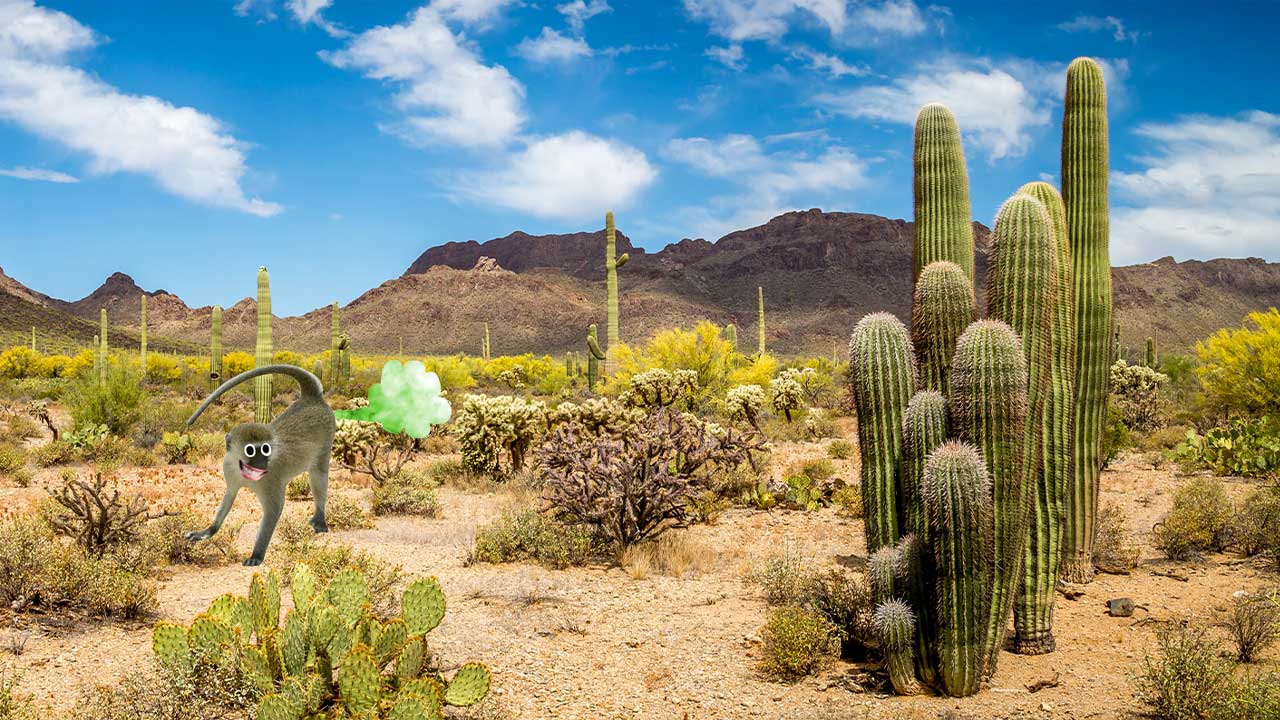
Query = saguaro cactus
x=989 y=411
x=884 y=379
x=941 y=309
x=97 y=357
x=730 y=334
x=1149 y=358
x=1084 y=194
x=957 y=498
x=335 y=350
x=594 y=356
x=924 y=429
x=144 y=336
x=485 y=347
x=215 y=345
x=262 y=385
x=611 y=265
x=760 y=320
x=943 y=219
x=104 y=347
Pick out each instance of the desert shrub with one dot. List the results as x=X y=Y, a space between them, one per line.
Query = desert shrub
x=848 y=499
x=784 y=395
x=1240 y=368
x=365 y=447
x=409 y=493
x=19 y=362
x=236 y=362
x=657 y=388
x=840 y=450
x=632 y=488
x=343 y=513
x=297 y=543
x=1199 y=520
x=526 y=535
x=845 y=600
x=116 y=403
x=673 y=554
x=12 y=459
x=1136 y=391
x=14 y=705
x=796 y=642
x=19 y=427
x=163 y=369
x=95 y=515
x=1243 y=447
x=1186 y=679
x=818 y=424
x=158 y=418
x=701 y=349
x=1256 y=695
x=784 y=578
x=745 y=402
x=166 y=537
x=299 y=488
x=1116 y=437
x=455 y=372
x=1255 y=527
x=158 y=694
x=491 y=428
x=1112 y=550
x=57 y=452
x=178 y=447
x=1253 y=624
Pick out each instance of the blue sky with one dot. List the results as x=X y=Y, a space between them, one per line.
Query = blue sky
x=187 y=143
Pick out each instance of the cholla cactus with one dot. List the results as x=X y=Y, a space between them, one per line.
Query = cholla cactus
x=595 y=416
x=488 y=427
x=744 y=402
x=660 y=388
x=784 y=395
x=516 y=378
x=1137 y=392
x=352 y=440
x=384 y=668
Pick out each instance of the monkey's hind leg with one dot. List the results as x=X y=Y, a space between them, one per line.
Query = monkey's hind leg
x=319 y=476
x=228 y=498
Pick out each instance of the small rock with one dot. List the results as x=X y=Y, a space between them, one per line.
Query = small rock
x=1120 y=607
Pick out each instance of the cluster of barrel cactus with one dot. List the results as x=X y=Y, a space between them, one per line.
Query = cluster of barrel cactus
x=978 y=435
x=330 y=657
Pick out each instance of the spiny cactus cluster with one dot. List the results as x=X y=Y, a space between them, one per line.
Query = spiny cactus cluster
x=745 y=402
x=595 y=416
x=330 y=657
x=490 y=427
x=977 y=435
x=658 y=387
x=786 y=394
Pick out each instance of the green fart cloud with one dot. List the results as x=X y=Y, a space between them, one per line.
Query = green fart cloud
x=407 y=400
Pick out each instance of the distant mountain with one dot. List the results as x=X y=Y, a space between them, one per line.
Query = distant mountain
x=820 y=272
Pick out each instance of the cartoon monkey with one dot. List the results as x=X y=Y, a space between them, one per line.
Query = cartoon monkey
x=264 y=458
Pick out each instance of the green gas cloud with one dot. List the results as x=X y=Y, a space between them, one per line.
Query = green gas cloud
x=407 y=400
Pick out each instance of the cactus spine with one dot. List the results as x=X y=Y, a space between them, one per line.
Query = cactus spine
x=104 y=348
x=335 y=349
x=1084 y=194
x=957 y=496
x=1150 y=359
x=611 y=265
x=896 y=625
x=941 y=309
x=989 y=410
x=594 y=356
x=760 y=319
x=943 y=219
x=215 y=345
x=144 y=336
x=884 y=379
x=262 y=385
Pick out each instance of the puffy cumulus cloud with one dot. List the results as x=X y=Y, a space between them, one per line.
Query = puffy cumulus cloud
x=189 y=153
x=1209 y=187
x=447 y=94
x=551 y=47
x=572 y=176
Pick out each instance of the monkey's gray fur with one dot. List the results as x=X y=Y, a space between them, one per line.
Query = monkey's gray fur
x=264 y=458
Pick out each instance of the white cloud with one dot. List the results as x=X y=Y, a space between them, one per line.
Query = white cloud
x=470 y=11
x=894 y=17
x=1094 y=23
x=731 y=56
x=447 y=93
x=1210 y=188
x=832 y=65
x=859 y=21
x=551 y=46
x=188 y=153
x=308 y=12
x=22 y=172
x=995 y=110
x=572 y=176
x=767 y=183
x=578 y=12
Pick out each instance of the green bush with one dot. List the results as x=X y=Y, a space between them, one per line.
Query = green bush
x=1253 y=623
x=526 y=535
x=116 y=404
x=299 y=488
x=796 y=642
x=1198 y=521
x=12 y=459
x=56 y=452
x=1240 y=368
x=14 y=705
x=409 y=493
x=1112 y=550
x=1187 y=678
x=849 y=499
x=1116 y=437
x=1255 y=528
x=343 y=513
x=840 y=450
x=166 y=537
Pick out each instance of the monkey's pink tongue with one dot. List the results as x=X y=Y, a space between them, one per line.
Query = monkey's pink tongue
x=251 y=473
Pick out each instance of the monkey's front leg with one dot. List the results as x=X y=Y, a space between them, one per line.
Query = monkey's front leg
x=228 y=498
x=272 y=507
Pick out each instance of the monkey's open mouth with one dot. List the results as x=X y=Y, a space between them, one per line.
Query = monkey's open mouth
x=250 y=473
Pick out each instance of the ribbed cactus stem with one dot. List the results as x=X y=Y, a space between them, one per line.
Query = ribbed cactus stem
x=730 y=334
x=989 y=410
x=215 y=344
x=262 y=385
x=883 y=376
x=884 y=571
x=1022 y=290
x=895 y=624
x=143 y=341
x=940 y=310
x=957 y=500
x=1149 y=358
x=1084 y=194
x=943 y=219
x=924 y=428
x=594 y=356
x=485 y=347
x=611 y=265
x=97 y=357
x=760 y=320
x=335 y=367
x=104 y=348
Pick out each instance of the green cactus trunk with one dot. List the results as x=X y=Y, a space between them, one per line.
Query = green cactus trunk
x=144 y=336
x=594 y=356
x=924 y=429
x=941 y=309
x=730 y=334
x=1084 y=194
x=760 y=320
x=957 y=499
x=335 y=350
x=344 y=366
x=943 y=218
x=104 y=348
x=1149 y=358
x=895 y=624
x=263 y=354
x=215 y=345
x=97 y=357
x=989 y=410
x=611 y=265
x=1022 y=290
x=485 y=346
x=884 y=379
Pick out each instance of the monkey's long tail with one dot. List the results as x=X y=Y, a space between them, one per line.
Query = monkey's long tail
x=311 y=387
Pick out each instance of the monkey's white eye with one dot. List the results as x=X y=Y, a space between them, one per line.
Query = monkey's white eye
x=250 y=451
x=266 y=449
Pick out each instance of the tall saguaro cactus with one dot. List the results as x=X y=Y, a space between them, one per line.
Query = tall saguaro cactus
x=940 y=310
x=335 y=347
x=760 y=320
x=1149 y=358
x=611 y=265
x=989 y=411
x=263 y=350
x=943 y=218
x=1084 y=194
x=144 y=336
x=104 y=347
x=730 y=334
x=594 y=357
x=884 y=379
x=215 y=345
x=485 y=347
